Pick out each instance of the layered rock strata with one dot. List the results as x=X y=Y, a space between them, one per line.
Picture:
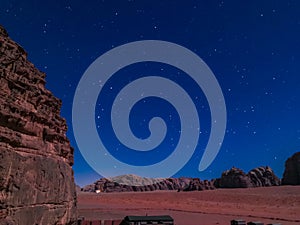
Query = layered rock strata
x=36 y=176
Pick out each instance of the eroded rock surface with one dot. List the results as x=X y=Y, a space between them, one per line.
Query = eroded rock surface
x=291 y=174
x=36 y=176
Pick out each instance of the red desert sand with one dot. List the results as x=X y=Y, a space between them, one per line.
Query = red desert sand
x=267 y=204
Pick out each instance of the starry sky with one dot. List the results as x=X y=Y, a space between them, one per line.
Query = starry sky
x=252 y=47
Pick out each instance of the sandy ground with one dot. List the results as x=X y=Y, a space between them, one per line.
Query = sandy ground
x=268 y=205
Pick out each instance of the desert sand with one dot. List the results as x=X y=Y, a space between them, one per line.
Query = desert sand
x=266 y=204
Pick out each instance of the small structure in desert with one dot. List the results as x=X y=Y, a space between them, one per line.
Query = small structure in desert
x=238 y=222
x=141 y=220
x=255 y=223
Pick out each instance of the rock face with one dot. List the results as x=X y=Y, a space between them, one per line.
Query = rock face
x=181 y=184
x=234 y=178
x=291 y=174
x=36 y=177
x=258 y=177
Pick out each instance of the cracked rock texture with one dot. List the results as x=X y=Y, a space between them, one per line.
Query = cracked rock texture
x=36 y=176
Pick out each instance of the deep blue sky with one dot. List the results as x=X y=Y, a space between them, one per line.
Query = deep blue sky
x=253 y=48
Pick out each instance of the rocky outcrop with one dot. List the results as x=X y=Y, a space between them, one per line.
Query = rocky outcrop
x=36 y=177
x=178 y=184
x=258 y=177
x=291 y=175
x=234 y=178
x=263 y=177
x=199 y=185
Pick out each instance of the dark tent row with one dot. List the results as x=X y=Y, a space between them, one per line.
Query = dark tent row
x=243 y=222
x=141 y=220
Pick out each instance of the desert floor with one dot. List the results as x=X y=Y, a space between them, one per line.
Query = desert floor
x=268 y=205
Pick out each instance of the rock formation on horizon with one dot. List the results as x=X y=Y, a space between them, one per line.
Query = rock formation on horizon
x=291 y=175
x=233 y=178
x=135 y=180
x=258 y=177
x=36 y=176
x=182 y=184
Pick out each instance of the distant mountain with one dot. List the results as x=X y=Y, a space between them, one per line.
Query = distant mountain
x=233 y=178
x=125 y=183
x=134 y=180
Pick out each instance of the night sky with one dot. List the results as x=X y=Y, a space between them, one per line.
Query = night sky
x=252 y=47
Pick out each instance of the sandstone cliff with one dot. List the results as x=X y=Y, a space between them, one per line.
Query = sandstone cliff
x=36 y=177
x=291 y=174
